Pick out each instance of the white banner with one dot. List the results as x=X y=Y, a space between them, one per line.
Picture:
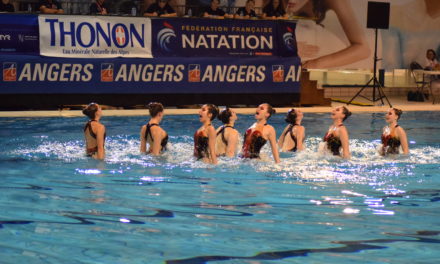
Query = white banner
x=94 y=37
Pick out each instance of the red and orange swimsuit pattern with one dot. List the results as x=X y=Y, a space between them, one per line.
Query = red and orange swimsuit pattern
x=253 y=142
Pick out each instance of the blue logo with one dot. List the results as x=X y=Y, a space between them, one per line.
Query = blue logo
x=289 y=40
x=165 y=37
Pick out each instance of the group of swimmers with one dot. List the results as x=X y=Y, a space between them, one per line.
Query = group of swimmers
x=210 y=143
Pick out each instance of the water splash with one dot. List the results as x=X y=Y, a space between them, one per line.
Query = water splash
x=365 y=165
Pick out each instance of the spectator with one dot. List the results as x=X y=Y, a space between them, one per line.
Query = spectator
x=160 y=9
x=247 y=11
x=50 y=7
x=213 y=10
x=431 y=60
x=5 y=6
x=274 y=9
x=99 y=7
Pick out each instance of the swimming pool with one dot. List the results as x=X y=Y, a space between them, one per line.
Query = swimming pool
x=57 y=206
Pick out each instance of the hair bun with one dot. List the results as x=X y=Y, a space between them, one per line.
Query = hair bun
x=346 y=112
x=224 y=115
x=155 y=108
x=291 y=116
x=398 y=112
x=270 y=110
x=213 y=110
x=91 y=110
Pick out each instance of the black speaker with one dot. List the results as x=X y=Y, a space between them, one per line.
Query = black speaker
x=378 y=15
x=382 y=77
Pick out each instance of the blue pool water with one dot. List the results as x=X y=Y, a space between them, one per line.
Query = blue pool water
x=57 y=206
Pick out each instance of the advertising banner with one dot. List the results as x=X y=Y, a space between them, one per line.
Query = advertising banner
x=340 y=39
x=219 y=38
x=37 y=75
x=94 y=37
x=19 y=34
x=335 y=36
x=414 y=29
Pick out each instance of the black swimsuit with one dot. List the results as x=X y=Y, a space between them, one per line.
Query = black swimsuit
x=222 y=133
x=295 y=140
x=253 y=142
x=164 y=141
x=334 y=143
x=91 y=151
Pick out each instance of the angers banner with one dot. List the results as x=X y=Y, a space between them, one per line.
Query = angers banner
x=94 y=37
x=174 y=37
x=36 y=75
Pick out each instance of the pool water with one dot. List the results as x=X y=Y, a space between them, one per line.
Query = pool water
x=57 y=206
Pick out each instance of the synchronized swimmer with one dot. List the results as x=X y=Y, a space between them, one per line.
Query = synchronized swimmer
x=210 y=143
x=227 y=136
x=259 y=133
x=152 y=133
x=293 y=135
x=94 y=132
x=336 y=137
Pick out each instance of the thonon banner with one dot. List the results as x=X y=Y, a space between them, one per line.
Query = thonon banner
x=94 y=37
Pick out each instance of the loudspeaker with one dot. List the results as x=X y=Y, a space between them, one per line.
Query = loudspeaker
x=378 y=15
x=382 y=77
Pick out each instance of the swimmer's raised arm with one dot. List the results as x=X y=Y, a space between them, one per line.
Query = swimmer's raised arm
x=403 y=139
x=273 y=143
x=343 y=134
x=143 y=147
x=300 y=137
x=100 y=131
x=211 y=144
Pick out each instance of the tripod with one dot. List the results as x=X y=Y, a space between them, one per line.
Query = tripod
x=376 y=84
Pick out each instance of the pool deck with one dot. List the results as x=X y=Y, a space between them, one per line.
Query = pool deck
x=396 y=101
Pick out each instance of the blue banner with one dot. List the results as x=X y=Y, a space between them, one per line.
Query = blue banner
x=171 y=37
x=40 y=75
x=219 y=38
x=19 y=34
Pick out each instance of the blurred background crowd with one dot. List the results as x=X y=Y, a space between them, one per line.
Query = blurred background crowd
x=248 y=9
